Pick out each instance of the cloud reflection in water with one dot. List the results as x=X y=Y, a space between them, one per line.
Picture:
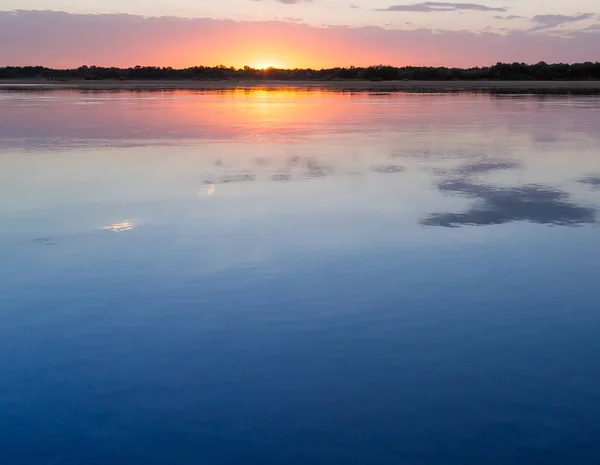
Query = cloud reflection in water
x=387 y=169
x=486 y=166
x=499 y=205
x=593 y=181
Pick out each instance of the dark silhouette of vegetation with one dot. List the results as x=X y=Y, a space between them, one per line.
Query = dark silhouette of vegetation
x=500 y=72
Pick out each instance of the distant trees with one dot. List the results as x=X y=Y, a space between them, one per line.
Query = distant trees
x=499 y=72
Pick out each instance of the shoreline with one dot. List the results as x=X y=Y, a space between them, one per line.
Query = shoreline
x=508 y=87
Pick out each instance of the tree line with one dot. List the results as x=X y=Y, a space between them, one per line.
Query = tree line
x=499 y=72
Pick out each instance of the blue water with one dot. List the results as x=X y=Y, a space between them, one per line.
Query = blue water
x=299 y=278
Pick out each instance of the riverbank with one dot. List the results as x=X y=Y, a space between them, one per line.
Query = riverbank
x=508 y=87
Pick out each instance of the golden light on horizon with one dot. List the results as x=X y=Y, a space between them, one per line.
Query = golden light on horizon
x=266 y=64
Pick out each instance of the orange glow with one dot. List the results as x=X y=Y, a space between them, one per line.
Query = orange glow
x=272 y=45
x=264 y=116
x=127 y=40
x=266 y=64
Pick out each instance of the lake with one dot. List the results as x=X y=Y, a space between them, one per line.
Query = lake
x=299 y=277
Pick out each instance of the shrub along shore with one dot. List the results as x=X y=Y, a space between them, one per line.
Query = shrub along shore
x=500 y=72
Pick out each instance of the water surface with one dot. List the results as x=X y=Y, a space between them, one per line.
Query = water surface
x=273 y=277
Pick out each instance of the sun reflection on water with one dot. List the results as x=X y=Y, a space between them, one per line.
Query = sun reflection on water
x=120 y=227
x=209 y=191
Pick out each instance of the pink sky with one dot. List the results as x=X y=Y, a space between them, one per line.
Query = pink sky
x=59 y=39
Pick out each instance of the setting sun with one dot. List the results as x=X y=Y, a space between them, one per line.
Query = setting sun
x=266 y=65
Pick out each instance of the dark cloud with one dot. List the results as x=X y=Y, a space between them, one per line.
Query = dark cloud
x=499 y=205
x=551 y=21
x=430 y=7
x=593 y=181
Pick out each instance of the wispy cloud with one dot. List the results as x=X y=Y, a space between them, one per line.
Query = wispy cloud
x=593 y=28
x=551 y=21
x=508 y=18
x=431 y=7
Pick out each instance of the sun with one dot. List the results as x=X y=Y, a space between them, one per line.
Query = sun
x=266 y=65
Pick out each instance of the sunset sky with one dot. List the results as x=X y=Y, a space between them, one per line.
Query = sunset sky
x=296 y=33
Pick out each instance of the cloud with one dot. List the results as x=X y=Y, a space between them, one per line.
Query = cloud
x=288 y=2
x=508 y=18
x=292 y=19
x=430 y=7
x=499 y=205
x=551 y=21
x=47 y=38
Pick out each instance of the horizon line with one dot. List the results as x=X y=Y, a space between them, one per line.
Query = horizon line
x=276 y=68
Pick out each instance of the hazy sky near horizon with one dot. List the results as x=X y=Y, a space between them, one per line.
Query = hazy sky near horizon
x=283 y=32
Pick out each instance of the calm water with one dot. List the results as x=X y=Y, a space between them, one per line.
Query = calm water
x=280 y=278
